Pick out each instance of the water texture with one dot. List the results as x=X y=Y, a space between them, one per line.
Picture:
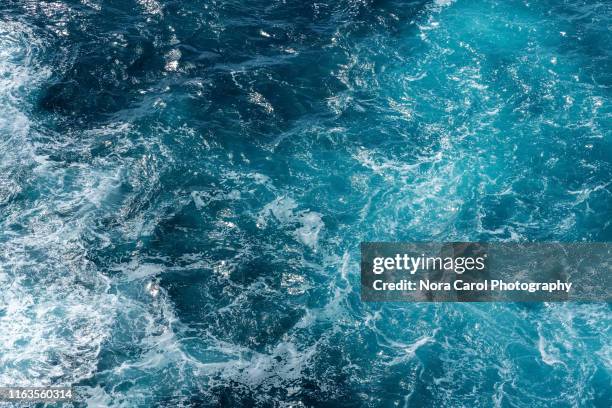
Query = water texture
x=184 y=186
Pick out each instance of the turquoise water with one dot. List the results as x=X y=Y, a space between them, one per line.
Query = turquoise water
x=184 y=187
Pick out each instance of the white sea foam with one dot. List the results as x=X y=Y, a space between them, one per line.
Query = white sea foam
x=547 y=352
x=283 y=210
x=55 y=307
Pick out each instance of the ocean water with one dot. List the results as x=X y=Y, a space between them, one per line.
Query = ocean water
x=184 y=186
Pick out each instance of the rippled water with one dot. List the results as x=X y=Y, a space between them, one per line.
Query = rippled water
x=184 y=187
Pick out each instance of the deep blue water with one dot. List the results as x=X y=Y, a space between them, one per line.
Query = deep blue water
x=184 y=186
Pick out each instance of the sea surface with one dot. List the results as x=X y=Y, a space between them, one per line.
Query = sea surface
x=184 y=186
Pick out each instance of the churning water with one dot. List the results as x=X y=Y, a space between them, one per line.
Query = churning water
x=184 y=186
